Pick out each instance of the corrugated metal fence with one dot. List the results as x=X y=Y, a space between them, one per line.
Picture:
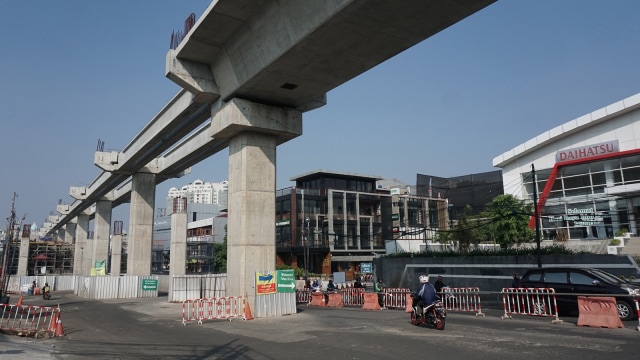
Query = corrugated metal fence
x=116 y=287
x=189 y=287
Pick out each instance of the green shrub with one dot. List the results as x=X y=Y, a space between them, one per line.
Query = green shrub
x=621 y=232
x=614 y=242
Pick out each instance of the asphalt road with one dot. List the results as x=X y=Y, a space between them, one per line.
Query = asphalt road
x=152 y=329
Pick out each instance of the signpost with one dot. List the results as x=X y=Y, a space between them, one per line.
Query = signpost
x=149 y=284
x=286 y=281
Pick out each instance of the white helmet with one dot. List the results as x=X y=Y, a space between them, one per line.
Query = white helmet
x=424 y=279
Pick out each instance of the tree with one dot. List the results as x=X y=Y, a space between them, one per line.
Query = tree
x=220 y=254
x=507 y=221
x=464 y=234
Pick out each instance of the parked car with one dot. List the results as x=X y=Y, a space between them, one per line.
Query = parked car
x=583 y=281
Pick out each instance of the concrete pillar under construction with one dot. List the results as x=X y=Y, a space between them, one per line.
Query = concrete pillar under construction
x=101 y=233
x=23 y=257
x=82 y=253
x=178 y=247
x=140 y=240
x=254 y=131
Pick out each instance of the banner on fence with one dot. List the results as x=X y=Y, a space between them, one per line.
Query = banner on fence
x=265 y=283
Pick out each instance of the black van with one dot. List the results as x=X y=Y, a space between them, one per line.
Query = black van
x=583 y=281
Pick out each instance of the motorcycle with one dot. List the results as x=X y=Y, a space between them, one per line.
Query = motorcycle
x=46 y=294
x=434 y=314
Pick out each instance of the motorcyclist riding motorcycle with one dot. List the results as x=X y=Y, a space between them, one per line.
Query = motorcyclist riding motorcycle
x=46 y=291
x=424 y=296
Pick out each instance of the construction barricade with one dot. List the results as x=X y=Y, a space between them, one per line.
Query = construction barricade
x=352 y=296
x=598 y=311
x=30 y=321
x=303 y=296
x=225 y=308
x=371 y=302
x=317 y=299
x=462 y=299
x=530 y=301
x=334 y=299
x=395 y=298
x=635 y=300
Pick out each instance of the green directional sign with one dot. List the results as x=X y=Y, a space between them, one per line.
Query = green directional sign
x=285 y=281
x=149 y=284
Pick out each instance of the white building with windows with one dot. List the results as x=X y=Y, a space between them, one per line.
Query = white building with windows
x=587 y=174
x=201 y=192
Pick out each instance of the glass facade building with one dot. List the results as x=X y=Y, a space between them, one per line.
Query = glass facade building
x=587 y=174
x=333 y=221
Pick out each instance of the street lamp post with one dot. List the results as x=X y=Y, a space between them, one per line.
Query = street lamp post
x=306 y=250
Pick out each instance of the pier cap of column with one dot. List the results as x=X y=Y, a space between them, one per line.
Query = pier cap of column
x=78 y=192
x=241 y=115
x=106 y=161
x=63 y=209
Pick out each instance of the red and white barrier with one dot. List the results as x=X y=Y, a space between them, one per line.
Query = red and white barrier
x=226 y=308
x=303 y=296
x=635 y=299
x=395 y=298
x=530 y=301
x=29 y=319
x=462 y=299
x=352 y=296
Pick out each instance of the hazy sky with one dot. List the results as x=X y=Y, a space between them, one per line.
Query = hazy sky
x=77 y=71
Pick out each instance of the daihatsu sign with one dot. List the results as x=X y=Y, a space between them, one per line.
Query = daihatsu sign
x=586 y=152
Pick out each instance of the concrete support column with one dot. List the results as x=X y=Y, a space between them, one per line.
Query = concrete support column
x=101 y=232
x=116 y=248
x=251 y=222
x=254 y=131
x=143 y=192
x=23 y=260
x=82 y=263
x=178 y=247
x=70 y=233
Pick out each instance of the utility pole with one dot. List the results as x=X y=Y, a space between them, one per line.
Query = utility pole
x=9 y=235
x=535 y=212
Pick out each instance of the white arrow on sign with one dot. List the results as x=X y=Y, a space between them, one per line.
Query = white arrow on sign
x=290 y=285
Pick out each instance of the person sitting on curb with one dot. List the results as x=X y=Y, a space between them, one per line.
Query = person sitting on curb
x=330 y=286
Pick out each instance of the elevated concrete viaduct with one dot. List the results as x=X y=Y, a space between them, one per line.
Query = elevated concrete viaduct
x=254 y=68
x=270 y=62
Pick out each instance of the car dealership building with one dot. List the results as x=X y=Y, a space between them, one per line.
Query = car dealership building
x=587 y=174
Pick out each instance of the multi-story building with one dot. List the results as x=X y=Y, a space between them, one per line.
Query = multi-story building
x=335 y=221
x=207 y=219
x=584 y=175
x=475 y=190
x=200 y=192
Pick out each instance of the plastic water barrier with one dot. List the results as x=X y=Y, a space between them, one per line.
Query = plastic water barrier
x=462 y=299
x=29 y=319
x=232 y=307
x=530 y=301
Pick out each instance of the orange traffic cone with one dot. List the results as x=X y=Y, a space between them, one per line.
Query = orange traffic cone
x=247 y=311
x=19 y=301
x=59 y=330
x=54 y=322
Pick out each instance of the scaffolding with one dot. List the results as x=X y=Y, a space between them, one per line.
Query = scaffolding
x=45 y=257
